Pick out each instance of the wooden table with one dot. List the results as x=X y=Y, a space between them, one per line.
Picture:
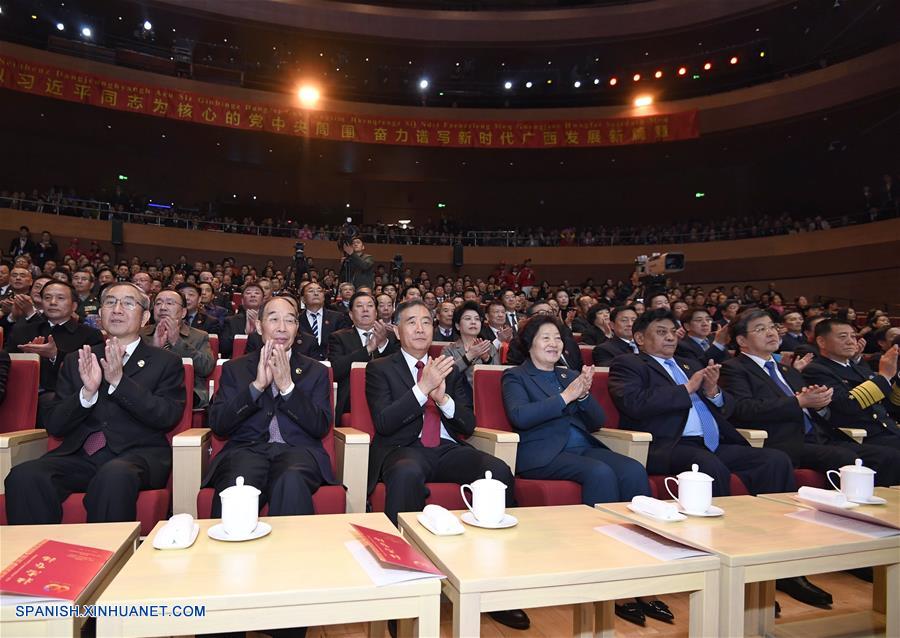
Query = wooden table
x=300 y=575
x=757 y=543
x=555 y=557
x=890 y=513
x=15 y=540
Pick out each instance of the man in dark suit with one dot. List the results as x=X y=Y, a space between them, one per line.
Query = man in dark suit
x=444 y=330
x=580 y=323
x=421 y=418
x=496 y=328
x=244 y=322
x=809 y=345
x=570 y=356
x=357 y=267
x=696 y=343
x=274 y=406
x=680 y=403
x=510 y=309
x=317 y=323
x=774 y=397
x=622 y=342
x=113 y=405
x=53 y=334
x=368 y=339
x=22 y=244
x=194 y=317
x=342 y=303
x=862 y=398
x=793 y=337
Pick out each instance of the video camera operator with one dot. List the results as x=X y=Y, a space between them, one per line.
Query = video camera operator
x=357 y=267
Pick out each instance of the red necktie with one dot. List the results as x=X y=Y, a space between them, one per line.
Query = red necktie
x=431 y=427
x=95 y=442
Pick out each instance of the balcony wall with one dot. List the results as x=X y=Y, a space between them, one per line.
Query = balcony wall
x=861 y=263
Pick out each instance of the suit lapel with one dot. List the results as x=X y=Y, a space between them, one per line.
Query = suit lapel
x=654 y=365
x=137 y=360
x=403 y=370
x=547 y=385
x=750 y=364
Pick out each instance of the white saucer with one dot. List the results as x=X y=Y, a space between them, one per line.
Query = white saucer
x=195 y=532
x=217 y=532
x=676 y=517
x=712 y=511
x=872 y=500
x=508 y=521
x=426 y=523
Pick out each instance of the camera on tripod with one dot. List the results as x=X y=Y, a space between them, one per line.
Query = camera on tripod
x=348 y=233
x=652 y=270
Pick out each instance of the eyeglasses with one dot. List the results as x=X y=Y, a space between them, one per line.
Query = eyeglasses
x=763 y=329
x=129 y=303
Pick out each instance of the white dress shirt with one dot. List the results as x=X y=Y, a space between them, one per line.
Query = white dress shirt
x=449 y=407
x=90 y=401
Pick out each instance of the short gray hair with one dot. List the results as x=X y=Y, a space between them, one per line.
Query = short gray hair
x=143 y=299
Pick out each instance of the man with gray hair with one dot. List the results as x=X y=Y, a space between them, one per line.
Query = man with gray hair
x=114 y=404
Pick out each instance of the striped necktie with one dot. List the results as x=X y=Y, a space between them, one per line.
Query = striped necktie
x=314 y=324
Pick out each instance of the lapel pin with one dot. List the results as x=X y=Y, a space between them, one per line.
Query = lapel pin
x=141 y=363
x=564 y=375
x=297 y=370
x=685 y=366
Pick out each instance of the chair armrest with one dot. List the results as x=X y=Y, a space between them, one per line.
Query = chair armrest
x=190 y=459
x=631 y=443
x=18 y=447
x=756 y=438
x=857 y=434
x=351 y=451
x=499 y=443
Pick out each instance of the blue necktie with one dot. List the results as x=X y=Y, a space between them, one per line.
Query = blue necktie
x=770 y=368
x=707 y=420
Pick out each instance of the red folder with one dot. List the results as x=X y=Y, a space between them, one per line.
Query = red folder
x=393 y=550
x=53 y=570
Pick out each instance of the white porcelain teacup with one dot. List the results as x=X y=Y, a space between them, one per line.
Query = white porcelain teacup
x=694 y=490
x=240 y=509
x=857 y=481
x=488 y=504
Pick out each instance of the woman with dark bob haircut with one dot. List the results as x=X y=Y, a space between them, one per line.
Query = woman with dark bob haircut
x=554 y=413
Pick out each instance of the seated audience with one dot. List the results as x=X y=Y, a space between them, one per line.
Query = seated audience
x=274 y=406
x=53 y=334
x=421 y=418
x=622 y=341
x=172 y=332
x=861 y=398
x=113 y=405
x=445 y=328
x=366 y=340
x=696 y=343
x=775 y=398
x=496 y=329
x=317 y=323
x=599 y=327
x=680 y=403
x=244 y=322
x=470 y=349
x=195 y=316
x=793 y=336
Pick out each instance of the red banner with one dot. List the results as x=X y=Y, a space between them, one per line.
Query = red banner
x=75 y=86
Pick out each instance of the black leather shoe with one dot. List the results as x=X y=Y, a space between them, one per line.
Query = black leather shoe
x=801 y=589
x=632 y=613
x=777 y=610
x=515 y=618
x=392 y=628
x=657 y=609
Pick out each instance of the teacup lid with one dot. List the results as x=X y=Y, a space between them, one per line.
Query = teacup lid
x=239 y=490
x=695 y=475
x=488 y=481
x=858 y=468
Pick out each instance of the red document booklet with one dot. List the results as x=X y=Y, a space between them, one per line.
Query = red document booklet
x=393 y=550
x=53 y=570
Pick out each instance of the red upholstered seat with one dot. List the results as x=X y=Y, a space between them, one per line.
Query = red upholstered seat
x=239 y=346
x=328 y=499
x=443 y=494
x=490 y=413
x=587 y=354
x=19 y=409
x=214 y=346
x=437 y=348
x=152 y=505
